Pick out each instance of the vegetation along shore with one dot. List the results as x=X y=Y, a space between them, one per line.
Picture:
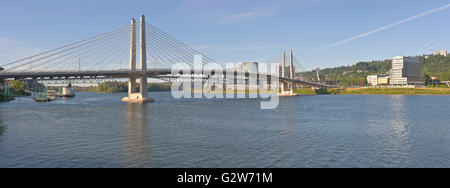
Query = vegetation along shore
x=375 y=91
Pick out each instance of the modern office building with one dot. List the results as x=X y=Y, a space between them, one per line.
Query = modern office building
x=372 y=80
x=378 y=80
x=383 y=80
x=405 y=71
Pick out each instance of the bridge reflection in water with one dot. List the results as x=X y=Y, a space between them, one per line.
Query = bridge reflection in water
x=136 y=141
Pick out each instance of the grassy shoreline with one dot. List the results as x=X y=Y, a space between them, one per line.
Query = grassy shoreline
x=376 y=91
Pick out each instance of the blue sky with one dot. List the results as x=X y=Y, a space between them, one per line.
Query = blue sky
x=238 y=30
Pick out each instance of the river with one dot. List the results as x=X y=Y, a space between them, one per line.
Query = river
x=98 y=130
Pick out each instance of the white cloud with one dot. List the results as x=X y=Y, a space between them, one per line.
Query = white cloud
x=247 y=16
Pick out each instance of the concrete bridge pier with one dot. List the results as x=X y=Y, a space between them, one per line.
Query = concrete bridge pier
x=140 y=97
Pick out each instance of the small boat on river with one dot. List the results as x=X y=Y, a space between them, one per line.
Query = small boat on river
x=67 y=91
x=42 y=98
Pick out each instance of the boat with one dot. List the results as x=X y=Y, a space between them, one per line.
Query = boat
x=41 y=95
x=52 y=94
x=67 y=91
x=42 y=98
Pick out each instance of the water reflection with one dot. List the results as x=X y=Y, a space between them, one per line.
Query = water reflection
x=400 y=133
x=400 y=118
x=136 y=139
x=286 y=123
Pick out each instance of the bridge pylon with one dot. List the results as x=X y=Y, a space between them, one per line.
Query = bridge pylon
x=287 y=84
x=132 y=80
x=291 y=60
x=283 y=73
x=142 y=96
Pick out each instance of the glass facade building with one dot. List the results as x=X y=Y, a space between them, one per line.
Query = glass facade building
x=405 y=71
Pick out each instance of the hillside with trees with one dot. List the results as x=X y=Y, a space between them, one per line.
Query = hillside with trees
x=432 y=66
x=436 y=66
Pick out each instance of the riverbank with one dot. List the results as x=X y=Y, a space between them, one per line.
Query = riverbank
x=375 y=91
x=4 y=98
x=12 y=93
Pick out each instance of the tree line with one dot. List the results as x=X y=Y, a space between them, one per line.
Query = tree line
x=117 y=87
x=432 y=66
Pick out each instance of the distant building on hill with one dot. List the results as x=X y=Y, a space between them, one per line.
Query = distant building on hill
x=441 y=52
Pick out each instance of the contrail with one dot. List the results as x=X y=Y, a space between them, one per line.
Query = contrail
x=386 y=27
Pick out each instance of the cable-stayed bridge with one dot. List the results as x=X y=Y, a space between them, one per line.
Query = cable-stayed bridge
x=114 y=55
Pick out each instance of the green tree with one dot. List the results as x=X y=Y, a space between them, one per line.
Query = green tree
x=112 y=87
x=436 y=66
x=159 y=87
x=17 y=85
x=427 y=79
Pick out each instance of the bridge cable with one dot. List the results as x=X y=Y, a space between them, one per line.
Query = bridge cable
x=85 y=42
x=77 y=53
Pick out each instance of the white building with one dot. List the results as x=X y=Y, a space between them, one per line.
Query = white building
x=372 y=80
x=405 y=71
x=383 y=80
x=441 y=52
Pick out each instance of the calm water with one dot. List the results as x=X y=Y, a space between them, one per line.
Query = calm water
x=94 y=130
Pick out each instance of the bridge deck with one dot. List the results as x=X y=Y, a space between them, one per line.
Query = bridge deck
x=153 y=73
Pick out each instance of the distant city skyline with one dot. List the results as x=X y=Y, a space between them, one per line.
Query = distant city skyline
x=322 y=33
